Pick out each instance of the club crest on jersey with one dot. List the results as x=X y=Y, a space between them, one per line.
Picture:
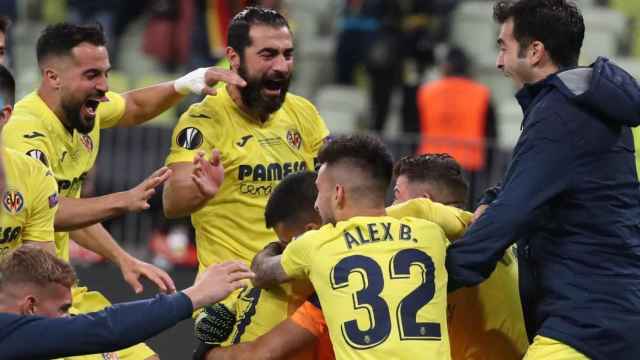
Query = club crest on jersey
x=189 y=138
x=38 y=155
x=294 y=139
x=87 y=142
x=110 y=356
x=13 y=201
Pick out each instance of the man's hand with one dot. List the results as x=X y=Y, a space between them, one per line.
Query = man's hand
x=208 y=174
x=138 y=197
x=133 y=268
x=217 y=282
x=479 y=211
x=203 y=81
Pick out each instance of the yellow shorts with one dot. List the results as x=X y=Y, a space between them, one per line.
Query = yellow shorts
x=85 y=301
x=550 y=349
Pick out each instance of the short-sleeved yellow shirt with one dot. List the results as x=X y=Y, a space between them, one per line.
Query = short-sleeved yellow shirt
x=382 y=285
x=36 y=131
x=256 y=156
x=29 y=201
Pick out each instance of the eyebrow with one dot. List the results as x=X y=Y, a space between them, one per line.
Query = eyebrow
x=96 y=70
x=274 y=50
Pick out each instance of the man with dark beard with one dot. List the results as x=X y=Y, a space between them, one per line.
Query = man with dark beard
x=59 y=124
x=260 y=134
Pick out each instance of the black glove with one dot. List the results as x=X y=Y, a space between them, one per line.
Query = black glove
x=214 y=324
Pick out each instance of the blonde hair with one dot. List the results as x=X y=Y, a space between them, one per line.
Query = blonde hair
x=29 y=264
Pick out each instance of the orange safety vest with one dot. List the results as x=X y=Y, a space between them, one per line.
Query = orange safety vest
x=453 y=116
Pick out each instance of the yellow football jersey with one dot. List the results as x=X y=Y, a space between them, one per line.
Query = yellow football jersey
x=35 y=130
x=453 y=221
x=382 y=284
x=256 y=156
x=485 y=321
x=29 y=202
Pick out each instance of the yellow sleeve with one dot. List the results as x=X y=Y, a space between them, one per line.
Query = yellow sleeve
x=193 y=133
x=296 y=259
x=24 y=136
x=110 y=112
x=452 y=220
x=44 y=203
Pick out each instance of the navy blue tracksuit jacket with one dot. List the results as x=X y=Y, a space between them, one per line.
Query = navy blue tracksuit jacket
x=571 y=194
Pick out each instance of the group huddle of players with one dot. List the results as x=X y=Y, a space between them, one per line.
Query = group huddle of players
x=358 y=281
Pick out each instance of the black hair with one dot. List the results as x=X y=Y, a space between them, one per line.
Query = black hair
x=439 y=169
x=558 y=24
x=364 y=152
x=59 y=39
x=238 y=33
x=458 y=62
x=7 y=86
x=292 y=200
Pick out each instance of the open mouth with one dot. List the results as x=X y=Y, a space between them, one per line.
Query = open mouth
x=273 y=86
x=91 y=106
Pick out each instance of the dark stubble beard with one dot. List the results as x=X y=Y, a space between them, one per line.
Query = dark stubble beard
x=253 y=98
x=73 y=116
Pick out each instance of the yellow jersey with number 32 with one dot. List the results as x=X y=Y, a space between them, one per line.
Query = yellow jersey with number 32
x=255 y=156
x=36 y=131
x=382 y=285
x=29 y=201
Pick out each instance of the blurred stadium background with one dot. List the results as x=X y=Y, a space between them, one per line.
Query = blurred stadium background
x=158 y=40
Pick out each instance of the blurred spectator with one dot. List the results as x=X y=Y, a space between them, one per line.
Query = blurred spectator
x=366 y=37
x=457 y=117
x=166 y=37
x=631 y=9
x=394 y=40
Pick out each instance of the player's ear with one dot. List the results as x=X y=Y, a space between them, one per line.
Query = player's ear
x=52 y=78
x=27 y=305
x=340 y=196
x=5 y=114
x=233 y=57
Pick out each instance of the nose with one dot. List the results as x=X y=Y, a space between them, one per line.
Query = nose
x=101 y=84
x=281 y=64
x=500 y=62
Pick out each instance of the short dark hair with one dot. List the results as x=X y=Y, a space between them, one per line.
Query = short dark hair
x=30 y=264
x=292 y=201
x=238 y=33
x=7 y=86
x=5 y=23
x=439 y=169
x=364 y=152
x=59 y=39
x=558 y=24
x=458 y=62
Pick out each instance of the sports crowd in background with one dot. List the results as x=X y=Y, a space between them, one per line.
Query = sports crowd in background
x=349 y=178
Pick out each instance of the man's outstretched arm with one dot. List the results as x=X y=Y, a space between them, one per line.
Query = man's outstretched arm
x=117 y=327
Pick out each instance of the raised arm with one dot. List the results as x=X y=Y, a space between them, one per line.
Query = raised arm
x=75 y=213
x=146 y=103
x=192 y=185
x=111 y=329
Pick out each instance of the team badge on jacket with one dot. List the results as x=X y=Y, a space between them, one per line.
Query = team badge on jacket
x=13 y=201
x=294 y=139
x=87 y=142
